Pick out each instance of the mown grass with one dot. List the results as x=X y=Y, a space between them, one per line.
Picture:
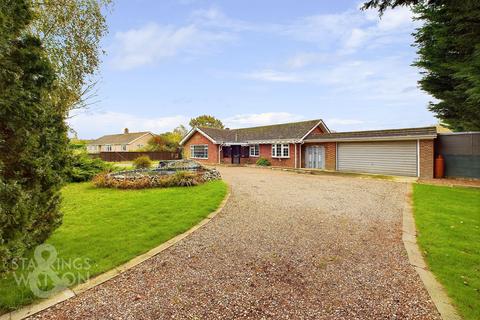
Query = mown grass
x=104 y=228
x=448 y=222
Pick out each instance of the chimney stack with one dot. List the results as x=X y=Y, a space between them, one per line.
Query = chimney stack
x=125 y=131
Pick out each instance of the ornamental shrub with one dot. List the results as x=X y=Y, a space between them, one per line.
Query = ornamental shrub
x=33 y=138
x=141 y=181
x=263 y=162
x=84 y=167
x=142 y=162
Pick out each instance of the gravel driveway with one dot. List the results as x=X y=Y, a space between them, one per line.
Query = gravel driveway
x=286 y=246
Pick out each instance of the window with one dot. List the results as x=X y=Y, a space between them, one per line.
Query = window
x=254 y=150
x=281 y=150
x=124 y=147
x=108 y=147
x=199 y=151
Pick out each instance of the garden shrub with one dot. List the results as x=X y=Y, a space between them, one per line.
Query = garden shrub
x=263 y=162
x=34 y=155
x=142 y=162
x=84 y=168
x=141 y=180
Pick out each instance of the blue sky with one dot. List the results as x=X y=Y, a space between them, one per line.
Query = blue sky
x=254 y=63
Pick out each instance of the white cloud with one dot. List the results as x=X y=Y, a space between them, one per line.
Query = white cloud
x=352 y=28
x=213 y=17
x=152 y=43
x=304 y=59
x=96 y=124
x=399 y=18
x=272 y=76
x=260 y=119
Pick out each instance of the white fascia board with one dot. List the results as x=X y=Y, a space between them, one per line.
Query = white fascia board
x=185 y=139
x=271 y=141
x=310 y=131
x=366 y=139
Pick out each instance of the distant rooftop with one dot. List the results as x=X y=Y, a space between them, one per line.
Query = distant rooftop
x=122 y=138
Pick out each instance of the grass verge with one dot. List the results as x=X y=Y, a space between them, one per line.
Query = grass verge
x=104 y=228
x=448 y=223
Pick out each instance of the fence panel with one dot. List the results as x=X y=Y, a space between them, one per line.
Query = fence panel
x=461 y=152
x=132 y=155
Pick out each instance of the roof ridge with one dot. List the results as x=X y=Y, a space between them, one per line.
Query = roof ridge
x=277 y=124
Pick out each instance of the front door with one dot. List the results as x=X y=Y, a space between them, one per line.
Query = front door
x=314 y=157
x=236 y=153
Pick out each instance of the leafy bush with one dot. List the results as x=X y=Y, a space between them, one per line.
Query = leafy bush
x=142 y=162
x=84 y=168
x=263 y=162
x=178 y=179
x=183 y=179
x=33 y=138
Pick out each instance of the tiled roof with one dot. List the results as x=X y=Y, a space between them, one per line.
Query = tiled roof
x=390 y=133
x=285 y=131
x=123 y=138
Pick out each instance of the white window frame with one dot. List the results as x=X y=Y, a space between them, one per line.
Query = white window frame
x=108 y=147
x=124 y=147
x=192 y=151
x=254 y=150
x=279 y=150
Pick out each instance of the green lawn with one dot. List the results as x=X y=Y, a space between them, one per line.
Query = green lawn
x=448 y=222
x=107 y=227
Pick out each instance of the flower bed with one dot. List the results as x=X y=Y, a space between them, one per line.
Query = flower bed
x=176 y=173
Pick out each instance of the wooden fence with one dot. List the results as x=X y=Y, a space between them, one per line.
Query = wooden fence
x=461 y=152
x=116 y=156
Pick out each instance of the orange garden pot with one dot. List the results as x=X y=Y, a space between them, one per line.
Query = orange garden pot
x=439 y=167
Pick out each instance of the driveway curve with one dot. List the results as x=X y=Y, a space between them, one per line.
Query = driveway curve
x=286 y=246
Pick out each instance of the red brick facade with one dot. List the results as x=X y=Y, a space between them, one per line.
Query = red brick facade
x=330 y=149
x=426 y=154
x=265 y=151
x=198 y=138
x=426 y=158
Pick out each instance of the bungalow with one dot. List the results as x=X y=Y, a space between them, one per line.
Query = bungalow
x=126 y=141
x=310 y=144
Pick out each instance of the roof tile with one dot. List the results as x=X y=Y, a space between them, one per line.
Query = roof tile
x=285 y=131
x=424 y=131
x=122 y=138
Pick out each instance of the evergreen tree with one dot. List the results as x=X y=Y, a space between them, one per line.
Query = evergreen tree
x=33 y=137
x=448 y=45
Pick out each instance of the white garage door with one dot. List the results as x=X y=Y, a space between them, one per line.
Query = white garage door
x=393 y=158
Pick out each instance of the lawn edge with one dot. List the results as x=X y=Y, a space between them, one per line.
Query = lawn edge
x=434 y=288
x=30 y=310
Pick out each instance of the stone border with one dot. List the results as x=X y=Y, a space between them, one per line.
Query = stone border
x=435 y=289
x=68 y=293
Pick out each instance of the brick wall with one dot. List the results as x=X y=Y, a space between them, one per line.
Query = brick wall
x=266 y=152
x=330 y=149
x=330 y=155
x=198 y=138
x=426 y=159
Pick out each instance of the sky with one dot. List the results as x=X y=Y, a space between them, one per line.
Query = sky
x=253 y=63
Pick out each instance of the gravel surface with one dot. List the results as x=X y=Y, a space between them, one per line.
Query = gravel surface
x=286 y=246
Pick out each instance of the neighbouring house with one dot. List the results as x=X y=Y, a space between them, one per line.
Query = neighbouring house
x=310 y=144
x=126 y=141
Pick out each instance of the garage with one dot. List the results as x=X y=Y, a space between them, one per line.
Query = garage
x=380 y=157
